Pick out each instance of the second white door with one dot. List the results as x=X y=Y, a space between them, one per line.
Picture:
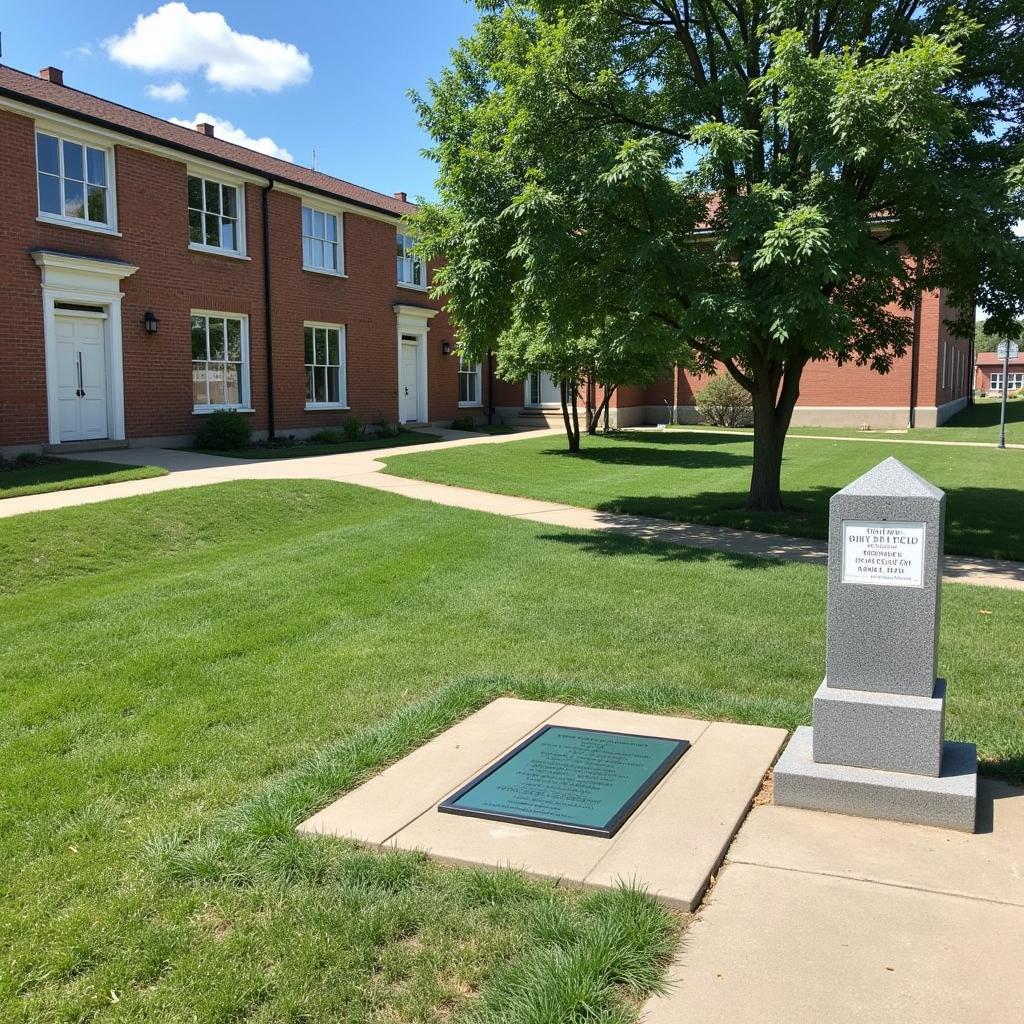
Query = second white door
x=409 y=380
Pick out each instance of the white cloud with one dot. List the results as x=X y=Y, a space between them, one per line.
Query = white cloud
x=173 y=38
x=172 y=92
x=85 y=50
x=229 y=133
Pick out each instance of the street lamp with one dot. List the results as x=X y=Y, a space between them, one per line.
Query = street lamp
x=1006 y=351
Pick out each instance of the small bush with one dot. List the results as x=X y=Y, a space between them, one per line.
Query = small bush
x=328 y=436
x=383 y=426
x=352 y=429
x=224 y=432
x=464 y=423
x=723 y=403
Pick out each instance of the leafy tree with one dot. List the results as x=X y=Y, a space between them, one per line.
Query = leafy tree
x=984 y=342
x=615 y=355
x=770 y=181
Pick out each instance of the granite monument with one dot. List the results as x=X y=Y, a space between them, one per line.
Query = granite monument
x=876 y=747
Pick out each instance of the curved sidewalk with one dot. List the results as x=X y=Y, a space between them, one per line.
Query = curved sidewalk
x=191 y=469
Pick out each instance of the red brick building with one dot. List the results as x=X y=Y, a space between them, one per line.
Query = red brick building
x=989 y=374
x=152 y=274
x=928 y=385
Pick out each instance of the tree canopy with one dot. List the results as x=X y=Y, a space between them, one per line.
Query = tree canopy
x=768 y=183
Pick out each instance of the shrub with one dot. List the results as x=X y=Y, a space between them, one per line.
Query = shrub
x=724 y=403
x=224 y=432
x=464 y=423
x=352 y=429
x=383 y=426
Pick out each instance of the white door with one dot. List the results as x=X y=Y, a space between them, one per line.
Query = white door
x=81 y=377
x=409 y=380
x=542 y=389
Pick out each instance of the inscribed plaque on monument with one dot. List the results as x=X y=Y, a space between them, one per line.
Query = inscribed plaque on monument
x=570 y=779
x=886 y=554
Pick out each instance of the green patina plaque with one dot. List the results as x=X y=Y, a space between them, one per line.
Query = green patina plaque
x=574 y=780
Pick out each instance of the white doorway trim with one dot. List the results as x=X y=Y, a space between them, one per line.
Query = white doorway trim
x=91 y=282
x=414 y=321
x=546 y=385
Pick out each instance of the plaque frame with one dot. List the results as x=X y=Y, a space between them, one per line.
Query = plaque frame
x=608 y=830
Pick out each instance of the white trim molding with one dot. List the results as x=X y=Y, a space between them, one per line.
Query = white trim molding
x=414 y=320
x=96 y=282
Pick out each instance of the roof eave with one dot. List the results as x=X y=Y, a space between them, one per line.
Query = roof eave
x=135 y=133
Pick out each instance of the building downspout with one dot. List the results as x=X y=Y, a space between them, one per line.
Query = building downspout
x=915 y=348
x=267 y=311
x=490 y=388
x=973 y=375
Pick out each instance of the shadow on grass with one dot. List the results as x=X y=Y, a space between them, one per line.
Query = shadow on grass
x=806 y=515
x=627 y=453
x=986 y=415
x=611 y=545
x=986 y=522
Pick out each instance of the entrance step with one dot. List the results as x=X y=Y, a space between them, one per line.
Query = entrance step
x=536 y=418
x=104 y=445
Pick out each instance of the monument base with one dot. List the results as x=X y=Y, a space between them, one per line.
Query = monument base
x=947 y=801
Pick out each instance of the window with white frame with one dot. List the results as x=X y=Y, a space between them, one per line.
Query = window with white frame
x=214 y=216
x=321 y=241
x=74 y=181
x=1014 y=381
x=220 y=356
x=325 y=366
x=412 y=270
x=469 y=382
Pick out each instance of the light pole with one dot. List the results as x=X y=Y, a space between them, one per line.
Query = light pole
x=1006 y=350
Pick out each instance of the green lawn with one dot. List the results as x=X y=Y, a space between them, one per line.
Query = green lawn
x=978 y=423
x=704 y=477
x=66 y=474
x=188 y=674
x=302 y=451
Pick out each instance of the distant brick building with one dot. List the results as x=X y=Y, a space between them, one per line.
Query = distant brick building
x=989 y=374
x=928 y=385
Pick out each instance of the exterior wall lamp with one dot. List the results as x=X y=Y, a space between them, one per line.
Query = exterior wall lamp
x=151 y=322
x=446 y=348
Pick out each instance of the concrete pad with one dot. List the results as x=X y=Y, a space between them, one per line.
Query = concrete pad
x=477 y=842
x=671 y=844
x=378 y=809
x=948 y=801
x=682 y=832
x=668 y=726
x=785 y=947
x=985 y=866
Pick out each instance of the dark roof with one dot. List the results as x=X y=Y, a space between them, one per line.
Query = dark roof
x=63 y=99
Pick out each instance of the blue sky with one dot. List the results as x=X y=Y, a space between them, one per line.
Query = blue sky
x=333 y=76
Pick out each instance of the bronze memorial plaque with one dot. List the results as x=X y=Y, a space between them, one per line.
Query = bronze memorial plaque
x=574 y=780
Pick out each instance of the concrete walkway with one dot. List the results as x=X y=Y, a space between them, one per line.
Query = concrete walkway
x=194 y=469
x=821 y=917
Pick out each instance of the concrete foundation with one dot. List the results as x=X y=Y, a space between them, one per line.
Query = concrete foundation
x=947 y=801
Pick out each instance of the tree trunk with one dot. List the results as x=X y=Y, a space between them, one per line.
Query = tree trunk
x=771 y=422
x=602 y=409
x=572 y=426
